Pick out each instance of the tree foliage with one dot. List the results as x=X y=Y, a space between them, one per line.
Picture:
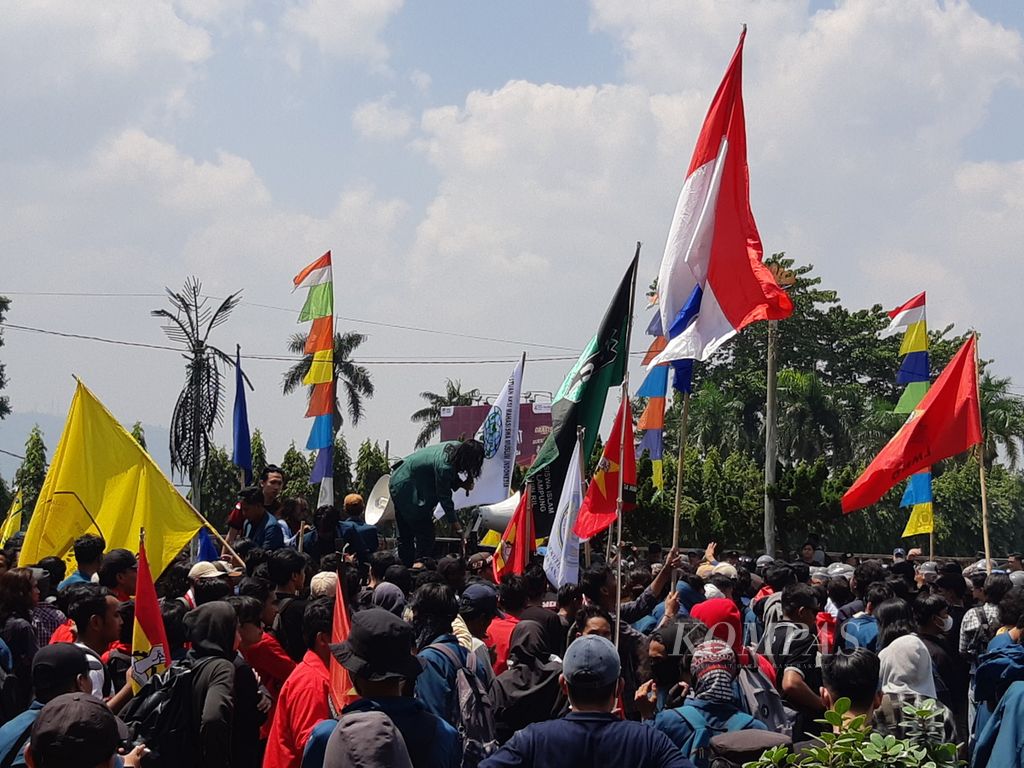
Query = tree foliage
x=139 y=434
x=430 y=416
x=836 y=392
x=371 y=465
x=32 y=472
x=343 y=483
x=259 y=453
x=296 y=471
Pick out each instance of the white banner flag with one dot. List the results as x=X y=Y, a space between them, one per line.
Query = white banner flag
x=500 y=435
x=562 y=562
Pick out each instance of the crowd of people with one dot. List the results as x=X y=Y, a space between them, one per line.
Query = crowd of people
x=692 y=656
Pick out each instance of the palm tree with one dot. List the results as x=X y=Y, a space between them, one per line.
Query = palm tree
x=200 y=404
x=352 y=378
x=811 y=422
x=715 y=419
x=430 y=416
x=1002 y=420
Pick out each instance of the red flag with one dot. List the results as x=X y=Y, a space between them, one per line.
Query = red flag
x=946 y=422
x=513 y=551
x=341 y=683
x=150 y=651
x=599 y=505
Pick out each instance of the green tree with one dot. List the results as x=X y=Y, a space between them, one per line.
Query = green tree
x=351 y=379
x=6 y=497
x=5 y=403
x=297 y=469
x=32 y=472
x=259 y=453
x=430 y=417
x=343 y=484
x=220 y=487
x=1003 y=420
x=371 y=465
x=139 y=434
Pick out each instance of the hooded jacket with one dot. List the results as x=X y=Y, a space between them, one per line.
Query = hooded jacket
x=528 y=691
x=211 y=629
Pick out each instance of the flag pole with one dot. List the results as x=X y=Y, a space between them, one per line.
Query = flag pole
x=684 y=423
x=981 y=461
x=771 y=442
x=626 y=414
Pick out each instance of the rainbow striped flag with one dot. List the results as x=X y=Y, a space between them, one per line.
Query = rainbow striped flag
x=318 y=278
x=911 y=318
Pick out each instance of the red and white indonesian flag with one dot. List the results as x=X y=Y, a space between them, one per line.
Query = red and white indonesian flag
x=713 y=248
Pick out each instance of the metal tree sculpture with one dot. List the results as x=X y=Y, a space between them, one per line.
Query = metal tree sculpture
x=200 y=404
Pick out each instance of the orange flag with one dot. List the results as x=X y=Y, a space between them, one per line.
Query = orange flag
x=599 y=505
x=946 y=422
x=341 y=683
x=513 y=551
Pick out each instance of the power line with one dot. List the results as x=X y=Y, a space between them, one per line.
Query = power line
x=11 y=453
x=294 y=359
x=292 y=310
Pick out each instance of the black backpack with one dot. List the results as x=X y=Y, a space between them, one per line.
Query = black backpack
x=10 y=696
x=737 y=748
x=472 y=716
x=160 y=716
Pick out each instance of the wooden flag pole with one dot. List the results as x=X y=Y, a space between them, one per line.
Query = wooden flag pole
x=981 y=461
x=684 y=424
x=771 y=441
x=580 y=434
x=618 y=504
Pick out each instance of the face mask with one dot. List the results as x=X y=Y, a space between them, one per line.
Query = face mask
x=947 y=624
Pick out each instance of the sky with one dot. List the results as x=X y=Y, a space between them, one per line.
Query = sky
x=481 y=173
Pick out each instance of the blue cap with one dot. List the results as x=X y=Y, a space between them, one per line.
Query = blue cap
x=591 y=662
x=479 y=599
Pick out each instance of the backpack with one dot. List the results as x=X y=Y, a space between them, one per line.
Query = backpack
x=771 y=611
x=474 y=719
x=160 y=716
x=736 y=748
x=982 y=636
x=10 y=695
x=759 y=697
x=697 y=746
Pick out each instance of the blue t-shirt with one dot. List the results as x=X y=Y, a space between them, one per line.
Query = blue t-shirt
x=860 y=632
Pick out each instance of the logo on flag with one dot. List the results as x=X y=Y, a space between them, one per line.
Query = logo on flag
x=491 y=432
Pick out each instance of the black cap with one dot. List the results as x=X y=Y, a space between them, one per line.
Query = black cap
x=380 y=646
x=55 y=667
x=76 y=729
x=118 y=561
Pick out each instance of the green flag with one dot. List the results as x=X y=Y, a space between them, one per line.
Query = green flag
x=580 y=402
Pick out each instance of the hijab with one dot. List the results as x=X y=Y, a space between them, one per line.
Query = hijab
x=906 y=667
x=211 y=629
x=389 y=597
x=527 y=691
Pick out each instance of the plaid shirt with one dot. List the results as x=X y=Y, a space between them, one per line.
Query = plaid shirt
x=45 y=620
x=972 y=644
x=889 y=718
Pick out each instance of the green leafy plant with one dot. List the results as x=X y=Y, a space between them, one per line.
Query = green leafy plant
x=852 y=743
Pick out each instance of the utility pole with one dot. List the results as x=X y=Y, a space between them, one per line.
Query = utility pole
x=771 y=441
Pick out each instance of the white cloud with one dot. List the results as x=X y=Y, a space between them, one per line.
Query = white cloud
x=421 y=80
x=379 y=120
x=348 y=29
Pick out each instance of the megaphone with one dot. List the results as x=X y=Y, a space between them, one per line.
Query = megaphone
x=379 y=508
x=495 y=517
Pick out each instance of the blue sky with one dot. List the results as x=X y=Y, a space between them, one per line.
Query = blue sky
x=477 y=168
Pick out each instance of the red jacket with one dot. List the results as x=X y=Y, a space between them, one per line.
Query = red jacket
x=269 y=660
x=498 y=639
x=301 y=704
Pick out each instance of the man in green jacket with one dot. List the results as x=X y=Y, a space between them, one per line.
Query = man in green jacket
x=425 y=479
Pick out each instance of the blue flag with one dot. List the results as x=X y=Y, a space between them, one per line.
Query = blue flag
x=241 y=451
x=207 y=549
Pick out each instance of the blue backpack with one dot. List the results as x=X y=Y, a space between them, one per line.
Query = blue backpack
x=698 y=746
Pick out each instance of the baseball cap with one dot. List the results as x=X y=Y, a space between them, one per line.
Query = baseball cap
x=76 y=729
x=204 y=570
x=478 y=600
x=228 y=569
x=379 y=647
x=725 y=569
x=323 y=584
x=55 y=666
x=591 y=661
x=899 y=552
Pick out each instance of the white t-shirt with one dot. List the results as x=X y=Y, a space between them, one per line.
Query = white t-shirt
x=97 y=673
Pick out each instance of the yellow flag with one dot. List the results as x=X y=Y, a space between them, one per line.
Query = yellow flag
x=922 y=520
x=101 y=481
x=12 y=523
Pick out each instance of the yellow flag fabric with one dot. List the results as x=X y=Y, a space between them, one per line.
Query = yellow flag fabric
x=321 y=370
x=922 y=520
x=12 y=523
x=101 y=481
x=915 y=339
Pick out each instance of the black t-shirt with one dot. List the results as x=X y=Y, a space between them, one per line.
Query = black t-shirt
x=553 y=631
x=288 y=625
x=793 y=646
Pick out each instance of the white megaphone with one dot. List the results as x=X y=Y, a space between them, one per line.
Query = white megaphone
x=495 y=517
x=379 y=508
